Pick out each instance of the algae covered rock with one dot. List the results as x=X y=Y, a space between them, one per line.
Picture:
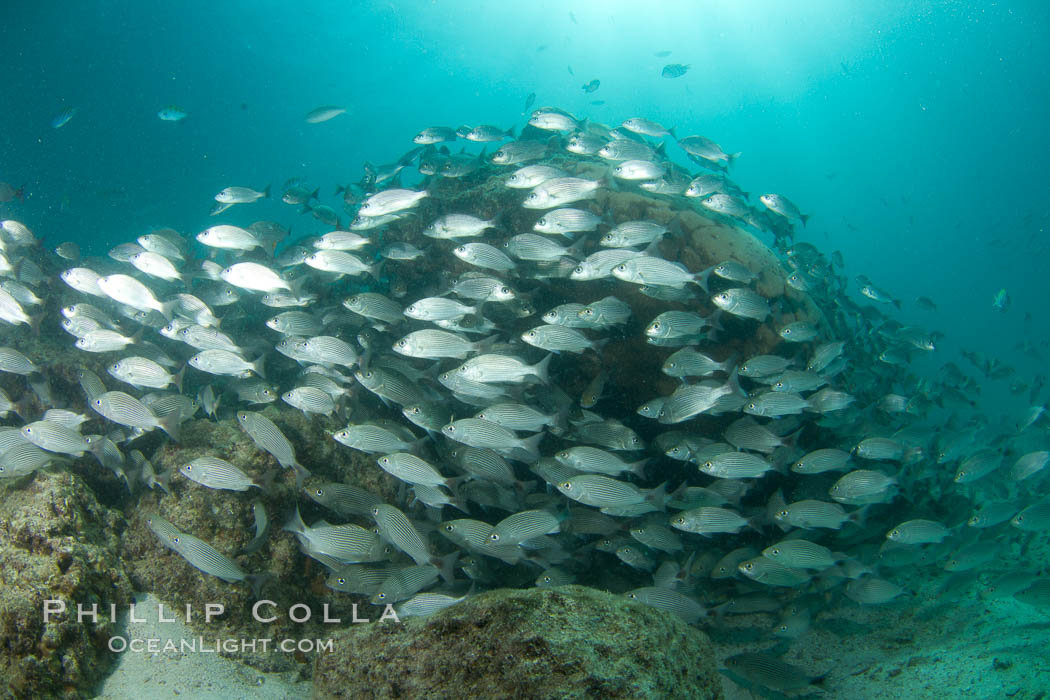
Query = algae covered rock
x=56 y=543
x=568 y=642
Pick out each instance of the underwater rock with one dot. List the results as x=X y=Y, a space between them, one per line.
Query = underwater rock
x=224 y=518
x=56 y=543
x=568 y=642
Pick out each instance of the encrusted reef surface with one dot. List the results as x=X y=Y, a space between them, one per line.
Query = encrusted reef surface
x=568 y=642
x=57 y=542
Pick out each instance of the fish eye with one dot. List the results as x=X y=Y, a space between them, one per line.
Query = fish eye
x=566 y=485
x=751 y=405
x=546 y=579
x=450 y=528
x=175 y=539
x=98 y=402
x=655 y=326
x=381 y=596
x=319 y=492
x=494 y=537
x=401 y=343
x=341 y=581
x=28 y=430
x=375 y=511
x=776 y=552
x=783 y=514
x=680 y=520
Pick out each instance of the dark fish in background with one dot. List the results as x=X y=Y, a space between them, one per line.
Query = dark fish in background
x=662 y=54
x=9 y=193
x=570 y=70
x=598 y=102
x=591 y=86
x=529 y=101
x=674 y=70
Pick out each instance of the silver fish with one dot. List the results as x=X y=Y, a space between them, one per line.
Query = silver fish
x=216 y=473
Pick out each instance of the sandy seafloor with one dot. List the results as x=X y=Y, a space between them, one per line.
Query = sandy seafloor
x=200 y=676
x=961 y=648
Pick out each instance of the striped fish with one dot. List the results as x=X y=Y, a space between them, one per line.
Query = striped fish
x=127 y=410
x=269 y=438
x=203 y=556
x=343 y=543
x=217 y=473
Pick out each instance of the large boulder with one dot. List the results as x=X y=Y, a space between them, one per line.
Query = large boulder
x=57 y=542
x=568 y=642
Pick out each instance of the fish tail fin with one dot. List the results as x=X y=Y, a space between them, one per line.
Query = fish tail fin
x=301 y=474
x=23 y=408
x=265 y=482
x=510 y=132
x=317 y=192
x=733 y=382
x=658 y=496
x=701 y=278
x=540 y=369
x=34 y=324
x=731 y=158
x=638 y=468
x=531 y=445
x=176 y=378
x=170 y=424
x=859 y=516
x=163 y=480
x=485 y=344
x=446 y=565
x=671 y=132
x=266 y=192
x=259 y=366
x=804 y=218
x=339 y=189
x=306 y=208
x=166 y=309
x=295 y=522
x=20 y=193
x=897 y=303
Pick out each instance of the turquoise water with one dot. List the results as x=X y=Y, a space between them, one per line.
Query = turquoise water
x=913 y=134
x=910 y=131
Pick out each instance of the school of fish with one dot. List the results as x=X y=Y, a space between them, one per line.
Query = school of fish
x=496 y=372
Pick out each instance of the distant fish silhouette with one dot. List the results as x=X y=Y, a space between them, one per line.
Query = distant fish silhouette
x=674 y=70
x=662 y=54
x=530 y=100
x=571 y=71
x=63 y=118
x=591 y=86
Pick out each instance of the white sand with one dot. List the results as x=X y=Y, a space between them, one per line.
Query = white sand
x=173 y=674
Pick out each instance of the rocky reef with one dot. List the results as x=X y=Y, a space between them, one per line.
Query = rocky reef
x=57 y=542
x=568 y=642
